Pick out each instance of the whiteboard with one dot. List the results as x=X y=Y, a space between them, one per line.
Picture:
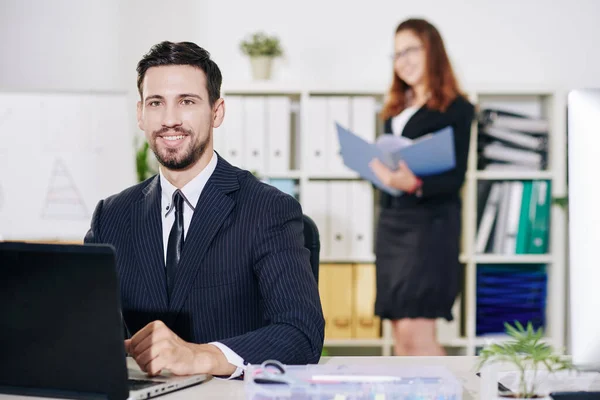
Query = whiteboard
x=60 y=153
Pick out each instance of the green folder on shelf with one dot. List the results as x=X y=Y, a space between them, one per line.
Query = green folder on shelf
x=540 y=220
x=524 y=232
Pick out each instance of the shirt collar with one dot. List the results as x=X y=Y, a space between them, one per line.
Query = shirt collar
x=192 y=190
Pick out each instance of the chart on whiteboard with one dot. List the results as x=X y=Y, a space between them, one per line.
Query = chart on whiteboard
x=63 y=198
x=61 y=154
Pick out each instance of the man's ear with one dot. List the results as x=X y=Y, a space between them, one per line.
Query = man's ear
x=218 y=113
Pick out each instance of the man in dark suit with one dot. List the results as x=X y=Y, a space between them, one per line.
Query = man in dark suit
x=212 y=266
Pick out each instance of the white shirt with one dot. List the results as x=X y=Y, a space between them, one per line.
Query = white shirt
x=191 y=193
x=400 y=120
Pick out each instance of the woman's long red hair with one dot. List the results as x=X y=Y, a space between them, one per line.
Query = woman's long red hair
x=439 y=76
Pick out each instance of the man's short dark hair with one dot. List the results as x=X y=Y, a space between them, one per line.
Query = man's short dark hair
x=182 y=53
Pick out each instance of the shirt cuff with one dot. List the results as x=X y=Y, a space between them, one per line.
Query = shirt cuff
x=232 y=358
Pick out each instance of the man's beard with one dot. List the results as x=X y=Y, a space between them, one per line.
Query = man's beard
x=191 y=155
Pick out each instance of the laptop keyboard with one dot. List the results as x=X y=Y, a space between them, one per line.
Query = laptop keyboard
x=137 y=384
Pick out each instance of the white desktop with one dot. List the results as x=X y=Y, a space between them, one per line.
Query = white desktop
x=584 y=226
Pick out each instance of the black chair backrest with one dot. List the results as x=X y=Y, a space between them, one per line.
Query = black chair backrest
x=313 y=243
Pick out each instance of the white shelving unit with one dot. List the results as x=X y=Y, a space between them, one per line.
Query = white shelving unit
x=461 y=333
x=552 y=106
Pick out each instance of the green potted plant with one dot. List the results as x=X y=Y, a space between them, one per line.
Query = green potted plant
x=262 y=49
x=526 y=350
x=145 y=162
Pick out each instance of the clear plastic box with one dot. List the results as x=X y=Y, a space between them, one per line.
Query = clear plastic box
x=350 y=382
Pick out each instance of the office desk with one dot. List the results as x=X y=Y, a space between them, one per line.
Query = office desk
x=462 y=367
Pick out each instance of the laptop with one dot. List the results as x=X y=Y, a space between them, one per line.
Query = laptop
x=61 y=329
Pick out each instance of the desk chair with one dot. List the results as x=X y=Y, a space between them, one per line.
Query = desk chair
x=312 y=243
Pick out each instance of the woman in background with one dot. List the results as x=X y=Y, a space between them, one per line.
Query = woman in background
x=418 y=233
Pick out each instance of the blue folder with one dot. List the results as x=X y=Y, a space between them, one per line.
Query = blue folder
x=428 y=155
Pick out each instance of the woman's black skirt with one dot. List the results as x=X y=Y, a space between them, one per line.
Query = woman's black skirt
x=418 y=271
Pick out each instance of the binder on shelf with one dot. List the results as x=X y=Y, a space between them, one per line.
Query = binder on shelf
x=233 y=132
x=338 y=109
x=515 y=138
x=510 y=139
x=540 y=217
x=255 y=132
x=504 y=167
x=484 y=232
x=339 y=213
x=363 y=117
x=343 y=212
x=515 y=219
x=316 y=138
x=509 y=293
x=428 y=155
x=524 y=225
x=362 y=228
x=278 y=134
x=365 y=324
x=500 y=230
x=335 y=290
x=514 y=121
x=315 y=203
x=512 y=218
x=499 y=152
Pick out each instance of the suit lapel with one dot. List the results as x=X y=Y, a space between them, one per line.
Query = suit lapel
x=147 y=238
x=212 y=209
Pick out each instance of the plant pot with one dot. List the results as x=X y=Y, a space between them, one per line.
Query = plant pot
x=261 y=67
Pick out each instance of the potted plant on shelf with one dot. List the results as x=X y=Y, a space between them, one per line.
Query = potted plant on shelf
x=526 y=350
x=262 y=49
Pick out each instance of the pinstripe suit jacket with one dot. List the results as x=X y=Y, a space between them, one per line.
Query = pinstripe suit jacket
x=244 y=278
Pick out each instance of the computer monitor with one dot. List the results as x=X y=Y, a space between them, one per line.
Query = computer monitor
x=583 y=118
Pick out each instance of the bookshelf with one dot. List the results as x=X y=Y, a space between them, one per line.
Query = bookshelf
x=547 y=104
x=310 y=182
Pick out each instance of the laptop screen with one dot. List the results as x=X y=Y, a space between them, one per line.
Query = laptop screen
x=60 y=322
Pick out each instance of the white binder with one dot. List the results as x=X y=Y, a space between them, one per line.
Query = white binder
x=255 y=133
x=315 y=137
x=338 y=111
x=219 y=141
x=315 y=203
x=278 y=134
x=500 y=232
x=490 y=211
x=512 y=219
x=361 y=219
x=363 y=117
x=340 y=208
x=232 y=131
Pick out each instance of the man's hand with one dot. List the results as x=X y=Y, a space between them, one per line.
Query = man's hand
x=402 y=178
x=155 y=347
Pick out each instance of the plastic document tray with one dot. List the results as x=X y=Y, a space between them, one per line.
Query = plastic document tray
x=272 y=380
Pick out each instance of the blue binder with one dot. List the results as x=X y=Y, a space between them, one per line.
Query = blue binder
x=429 y=155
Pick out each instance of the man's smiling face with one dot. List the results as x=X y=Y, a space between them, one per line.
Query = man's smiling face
x=176 y=115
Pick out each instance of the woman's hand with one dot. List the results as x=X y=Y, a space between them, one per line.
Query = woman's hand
x=401 y=179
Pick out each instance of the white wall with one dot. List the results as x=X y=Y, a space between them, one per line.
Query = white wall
x=489 y=41
x=143 y=23
x=95 y=45
x=85 y=45
x=59 y=45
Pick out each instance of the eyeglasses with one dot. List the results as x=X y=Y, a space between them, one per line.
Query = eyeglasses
x=406 y=53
